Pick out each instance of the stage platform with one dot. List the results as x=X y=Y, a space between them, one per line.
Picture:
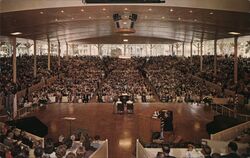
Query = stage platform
x=122 y=130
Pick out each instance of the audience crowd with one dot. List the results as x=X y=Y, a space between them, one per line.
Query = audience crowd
x=124 y=77
x=79 y=79
x=225 y=71
x=204 y=152
x=18 y=144
x=173 y=85
x=82 y=77
x=25 y=77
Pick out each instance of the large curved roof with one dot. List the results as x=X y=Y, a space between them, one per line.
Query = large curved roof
x=176 y=20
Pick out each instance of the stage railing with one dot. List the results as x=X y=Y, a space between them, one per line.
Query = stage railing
x=32 y=136
x=25 y=111
x=225 y=111
x=230 y=133
x=140 y=151
x=221 y=146
x=218 y=88
x=102 y=151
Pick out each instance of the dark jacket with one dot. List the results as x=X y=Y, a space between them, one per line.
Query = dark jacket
x=231 y=155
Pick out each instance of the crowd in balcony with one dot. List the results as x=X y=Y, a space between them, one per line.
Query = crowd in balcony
x=225 y=71
x=25 y=77
x=79 y=79
x=171 y=84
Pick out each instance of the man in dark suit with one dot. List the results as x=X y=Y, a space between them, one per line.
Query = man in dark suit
x=232 y=149
x=206 y=151
x=166 y=151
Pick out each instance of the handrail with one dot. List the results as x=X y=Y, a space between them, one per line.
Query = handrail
x=34 y=137
x=230 y=133
x=230 y=112
x=21 y=112
x=102 y=151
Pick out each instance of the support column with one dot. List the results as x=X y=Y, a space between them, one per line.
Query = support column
x=201 y=57
x=90 y=49
x=191 y=52
x=169 y=47
x=151 y=49
x=235 y=59
x=172 y=49
x=183 y=47
x=48 y=54
x=177 y=48
x=215 y=57
x=67 y=51
x=35 y=61
x=99 y=49
x=124 y=50
x=59 y=53
x=14 y=59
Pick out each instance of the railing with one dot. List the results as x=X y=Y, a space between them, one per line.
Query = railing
x=230 y=133
x=25 y=111
x=32 y=136
x=218 y=146
x=102 y=151
x=218 y=88
x=140 y=151
x=225 y=111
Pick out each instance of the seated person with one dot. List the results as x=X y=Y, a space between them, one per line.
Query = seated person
x=166 y=151
x=160 y=155
x=119 y=105
x=191 y=152
x=206 y=151
x=96 y=142
x=232 y=148
x=130 y=106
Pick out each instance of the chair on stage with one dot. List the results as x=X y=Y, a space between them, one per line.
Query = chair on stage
x=120 y=108
x=130 y=108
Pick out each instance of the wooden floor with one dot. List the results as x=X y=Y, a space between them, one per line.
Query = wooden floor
x=121 y=130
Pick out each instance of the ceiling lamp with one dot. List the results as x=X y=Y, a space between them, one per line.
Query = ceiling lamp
x=233 y=33
x=16 y=33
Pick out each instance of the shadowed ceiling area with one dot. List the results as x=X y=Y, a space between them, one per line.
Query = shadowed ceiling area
x=94 y=24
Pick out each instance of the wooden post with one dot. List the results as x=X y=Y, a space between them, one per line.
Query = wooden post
x=201 y=56
x=215 y=57
x=59 y=53
x=183 y=47
x=14 y=59
x=191 y=52
x=48 y=54
x=35 y=61
x=235 y=59
x=67 y=51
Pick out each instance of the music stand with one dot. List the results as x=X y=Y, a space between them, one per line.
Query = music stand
x=70 y=119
